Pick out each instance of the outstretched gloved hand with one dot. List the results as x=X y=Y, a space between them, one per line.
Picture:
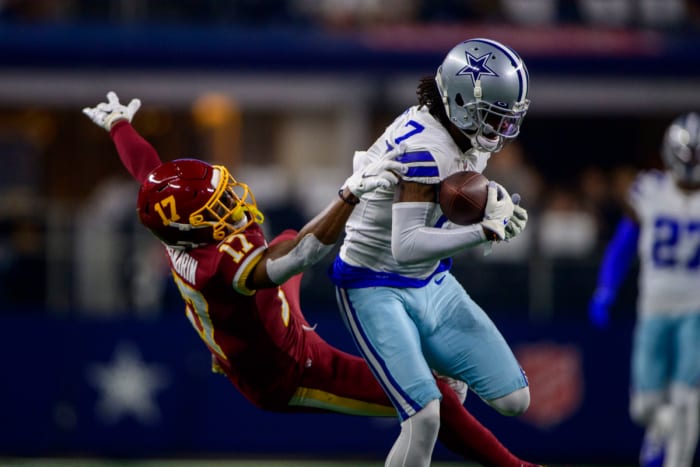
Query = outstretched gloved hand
x=499 y=209
x=379 y=174
x=106 y=114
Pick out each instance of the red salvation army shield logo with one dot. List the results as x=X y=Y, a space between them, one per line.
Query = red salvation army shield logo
x=555 y=374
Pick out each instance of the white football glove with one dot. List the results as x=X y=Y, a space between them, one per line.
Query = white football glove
x=106 y=114
x=499 y=209
x=379 y=174
x=518 y=220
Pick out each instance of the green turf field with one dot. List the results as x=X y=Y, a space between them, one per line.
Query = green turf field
x=198 y=463
x=39 y=462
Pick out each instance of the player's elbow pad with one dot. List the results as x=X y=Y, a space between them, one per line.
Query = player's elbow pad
x=305 y=254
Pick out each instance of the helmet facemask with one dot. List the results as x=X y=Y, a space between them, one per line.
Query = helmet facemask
x=231 y=209
x=494 y=125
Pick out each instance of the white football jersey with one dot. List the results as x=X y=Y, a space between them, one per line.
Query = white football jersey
x=417 y=139
x=669 y=245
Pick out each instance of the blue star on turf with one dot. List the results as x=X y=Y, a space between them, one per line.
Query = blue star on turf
x=476 y=67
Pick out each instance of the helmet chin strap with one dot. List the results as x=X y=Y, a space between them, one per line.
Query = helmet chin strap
x=239 y=224
x=478 y=139
x=486 y=144
x=481 y=142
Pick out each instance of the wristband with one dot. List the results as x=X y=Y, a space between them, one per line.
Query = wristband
x=347 y=200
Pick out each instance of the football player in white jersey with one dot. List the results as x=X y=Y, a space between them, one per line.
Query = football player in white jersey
x=662 y=229
x=407 y=314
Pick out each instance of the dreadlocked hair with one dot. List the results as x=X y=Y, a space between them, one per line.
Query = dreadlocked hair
x=429 y=96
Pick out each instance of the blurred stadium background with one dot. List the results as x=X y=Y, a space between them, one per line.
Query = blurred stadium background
x=98 y=359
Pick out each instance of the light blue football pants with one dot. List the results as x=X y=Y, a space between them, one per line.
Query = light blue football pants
x=666 y=350
x=403 y=333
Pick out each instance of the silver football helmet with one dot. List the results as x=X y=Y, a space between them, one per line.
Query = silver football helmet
x=681 y=148
x=484 y=87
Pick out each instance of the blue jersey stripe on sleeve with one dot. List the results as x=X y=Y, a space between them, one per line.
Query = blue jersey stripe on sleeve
x=418 y=156
x=431 y=171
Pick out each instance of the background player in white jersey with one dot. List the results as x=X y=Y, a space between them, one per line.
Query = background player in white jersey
x=663 y=228
x=408 y=315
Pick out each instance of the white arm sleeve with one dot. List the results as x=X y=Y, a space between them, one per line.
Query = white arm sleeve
x=305 y=254
x=412 y=240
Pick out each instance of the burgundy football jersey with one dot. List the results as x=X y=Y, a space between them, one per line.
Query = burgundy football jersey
x=257 y=337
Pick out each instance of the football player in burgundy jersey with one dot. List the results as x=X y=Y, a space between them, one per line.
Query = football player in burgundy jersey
x=241 y=293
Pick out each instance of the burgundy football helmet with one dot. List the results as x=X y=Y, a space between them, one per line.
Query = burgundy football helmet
x=189 y=203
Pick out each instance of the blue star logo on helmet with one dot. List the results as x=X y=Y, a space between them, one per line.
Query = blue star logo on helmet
x=476 y=67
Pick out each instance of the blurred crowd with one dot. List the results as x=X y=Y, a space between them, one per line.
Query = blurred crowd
x=96 y=258
x=77 y=260
x=359 y=13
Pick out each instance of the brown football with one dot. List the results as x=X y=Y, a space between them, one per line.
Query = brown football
x=463 y=197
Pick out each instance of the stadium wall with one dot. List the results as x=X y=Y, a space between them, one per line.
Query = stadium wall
x=137 y=389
